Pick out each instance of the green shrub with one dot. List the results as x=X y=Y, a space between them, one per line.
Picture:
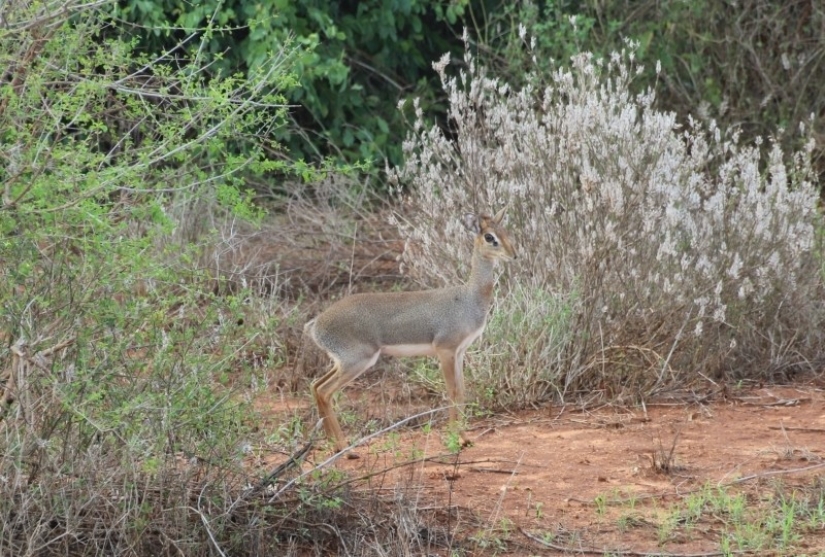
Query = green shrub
x=114 y=356
x=352 y=61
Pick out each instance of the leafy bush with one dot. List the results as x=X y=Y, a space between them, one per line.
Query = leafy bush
x=119 y=433
x=352 y=61
x=642 y=266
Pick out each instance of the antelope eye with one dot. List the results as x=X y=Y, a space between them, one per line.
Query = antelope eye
x=490 y=239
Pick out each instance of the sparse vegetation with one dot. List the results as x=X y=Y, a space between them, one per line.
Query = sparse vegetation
x=735 y=519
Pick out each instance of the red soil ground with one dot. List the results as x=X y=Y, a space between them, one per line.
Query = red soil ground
x=601 y=481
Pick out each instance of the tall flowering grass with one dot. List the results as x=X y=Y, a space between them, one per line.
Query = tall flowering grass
x=652 y=255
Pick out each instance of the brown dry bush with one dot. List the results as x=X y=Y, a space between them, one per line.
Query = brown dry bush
x=319 y=241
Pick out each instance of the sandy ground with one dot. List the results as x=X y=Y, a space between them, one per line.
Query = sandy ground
x=601 y=480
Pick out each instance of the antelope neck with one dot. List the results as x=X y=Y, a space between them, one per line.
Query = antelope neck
x=482 y=277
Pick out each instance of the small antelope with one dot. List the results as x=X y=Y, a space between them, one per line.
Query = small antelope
x=357 y=329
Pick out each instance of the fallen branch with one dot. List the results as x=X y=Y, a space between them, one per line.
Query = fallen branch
x=613 y=551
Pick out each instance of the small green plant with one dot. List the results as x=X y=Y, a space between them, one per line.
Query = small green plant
x=348 y=415
x=695 y=505
x=452 y=441
x=506 y=527
x=629 y=520
x=318 y=493
x=426 y=372
x=816 y=519
x=725 y=546
x=667 y=527
x=784 y=522
x=476 y=410
x=490 y=541
x=391 y=442
x=731 y=505
x=288 y=433
x=601 y=504
x=631 y=499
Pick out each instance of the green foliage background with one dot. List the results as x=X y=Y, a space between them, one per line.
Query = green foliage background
x=353 y=60
x=755 y=66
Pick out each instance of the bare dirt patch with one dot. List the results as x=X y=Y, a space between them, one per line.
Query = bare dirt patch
x=609 y=480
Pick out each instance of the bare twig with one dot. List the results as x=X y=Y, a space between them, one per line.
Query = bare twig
x=583 y=550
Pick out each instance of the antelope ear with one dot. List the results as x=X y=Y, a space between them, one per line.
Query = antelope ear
x=470 y=221
x=498 y=216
